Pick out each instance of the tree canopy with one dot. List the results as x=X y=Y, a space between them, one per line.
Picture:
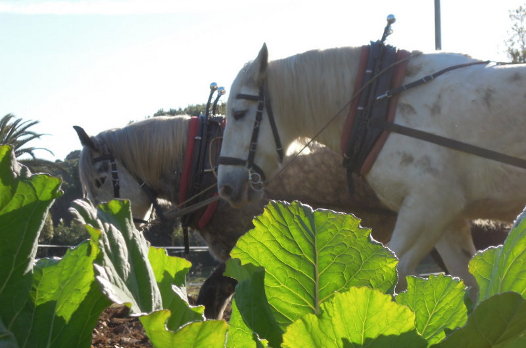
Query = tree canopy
x=516 y=44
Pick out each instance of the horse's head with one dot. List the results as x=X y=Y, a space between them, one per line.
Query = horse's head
x=104 y=177
x=248 y=151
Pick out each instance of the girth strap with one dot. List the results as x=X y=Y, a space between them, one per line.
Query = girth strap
x=450 y=143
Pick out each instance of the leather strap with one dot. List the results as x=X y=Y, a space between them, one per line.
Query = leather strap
x=450 y=143
x=263 y=102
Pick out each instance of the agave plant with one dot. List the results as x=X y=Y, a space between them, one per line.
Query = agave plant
x=15 y=132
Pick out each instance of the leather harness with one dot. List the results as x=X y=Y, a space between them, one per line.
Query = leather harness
x=361 y=143
x=202 y=150
x=256 y=175
x=371 y=116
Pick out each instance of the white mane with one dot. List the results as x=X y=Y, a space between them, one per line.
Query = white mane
x=152 y=150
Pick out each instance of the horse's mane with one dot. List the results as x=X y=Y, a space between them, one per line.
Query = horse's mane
x=312 y=83
x=151 y=149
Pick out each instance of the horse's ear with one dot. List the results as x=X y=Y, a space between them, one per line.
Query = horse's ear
x=261 y=63
x=85 y=139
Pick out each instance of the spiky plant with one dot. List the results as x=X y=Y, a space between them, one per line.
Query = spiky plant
x=15 y=132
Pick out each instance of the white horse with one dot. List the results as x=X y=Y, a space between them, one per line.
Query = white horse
x=150 y=153
x=435 y=190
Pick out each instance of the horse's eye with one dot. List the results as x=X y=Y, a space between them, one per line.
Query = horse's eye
x=239 y=114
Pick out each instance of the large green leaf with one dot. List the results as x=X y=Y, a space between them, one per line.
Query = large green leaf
x=124 y=270
x=257 y=314
x=144 y=279
x=503 y=268
x=208 y=334
x=170 y=275
x=360 y=317
x=52 y=304
x=24 y=202
x=66 y=301
x=309 y=255
x=438 y=303
x=240 y=334
x=498 y=322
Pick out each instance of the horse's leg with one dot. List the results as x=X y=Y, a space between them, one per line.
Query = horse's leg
x=456 y=249
x=422 y=219
x=216 y=292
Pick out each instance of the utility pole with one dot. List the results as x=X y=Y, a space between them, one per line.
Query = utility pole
x=438 y=29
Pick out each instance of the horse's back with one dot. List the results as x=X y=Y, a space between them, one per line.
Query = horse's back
x=482 y=105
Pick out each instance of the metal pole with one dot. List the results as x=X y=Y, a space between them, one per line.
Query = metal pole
x=438 y=34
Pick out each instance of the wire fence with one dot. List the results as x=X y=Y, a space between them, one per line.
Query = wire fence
x=170 y=249
x=203 y=263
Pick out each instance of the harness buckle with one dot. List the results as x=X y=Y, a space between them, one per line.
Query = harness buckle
x=386 y=95
x=255 y=180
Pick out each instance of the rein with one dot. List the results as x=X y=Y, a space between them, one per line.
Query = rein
x=256 y=176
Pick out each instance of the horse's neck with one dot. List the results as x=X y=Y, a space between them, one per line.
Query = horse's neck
x=159 y=164
x=310 y=89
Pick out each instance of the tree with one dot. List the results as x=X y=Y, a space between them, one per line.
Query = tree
x=516 y=44
x=193 y=110
x=15 y=132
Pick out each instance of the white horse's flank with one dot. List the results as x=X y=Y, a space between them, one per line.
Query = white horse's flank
x=436 y=191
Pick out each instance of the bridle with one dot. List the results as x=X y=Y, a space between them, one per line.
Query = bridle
x=256 y=176
x=150 y=193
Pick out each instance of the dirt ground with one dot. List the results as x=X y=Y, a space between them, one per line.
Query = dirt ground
x=116 y=329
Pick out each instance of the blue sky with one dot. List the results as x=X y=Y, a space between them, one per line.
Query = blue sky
x=102 y=64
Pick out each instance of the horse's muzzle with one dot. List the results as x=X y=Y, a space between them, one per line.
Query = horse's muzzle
x=234 y=186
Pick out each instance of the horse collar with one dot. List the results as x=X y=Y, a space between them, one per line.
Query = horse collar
x=256 y=175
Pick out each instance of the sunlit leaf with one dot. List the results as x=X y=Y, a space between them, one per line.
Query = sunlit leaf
x=503 y=268
x=309 y=255
x=438 y=303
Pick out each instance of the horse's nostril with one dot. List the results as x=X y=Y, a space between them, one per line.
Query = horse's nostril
x=226 y=191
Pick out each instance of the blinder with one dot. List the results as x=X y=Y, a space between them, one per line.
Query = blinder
x=114 y=172
x=256 y=176
x=116 y=185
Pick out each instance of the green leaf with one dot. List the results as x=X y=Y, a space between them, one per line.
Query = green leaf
x=182 y=311
x=239 y=334
x=360 y=317
x=7 y=339
x=438 y=303
x=170 y=275
x=66 y=301
x=309 y=255
x=502 y=268
x=209 y=334
x=54 y=304
x=124 y=270
x=256 y=315
x=24 y=203
x=168 y=270
x=498 y=322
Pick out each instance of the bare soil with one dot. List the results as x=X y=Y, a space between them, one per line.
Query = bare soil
x=116 y=329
